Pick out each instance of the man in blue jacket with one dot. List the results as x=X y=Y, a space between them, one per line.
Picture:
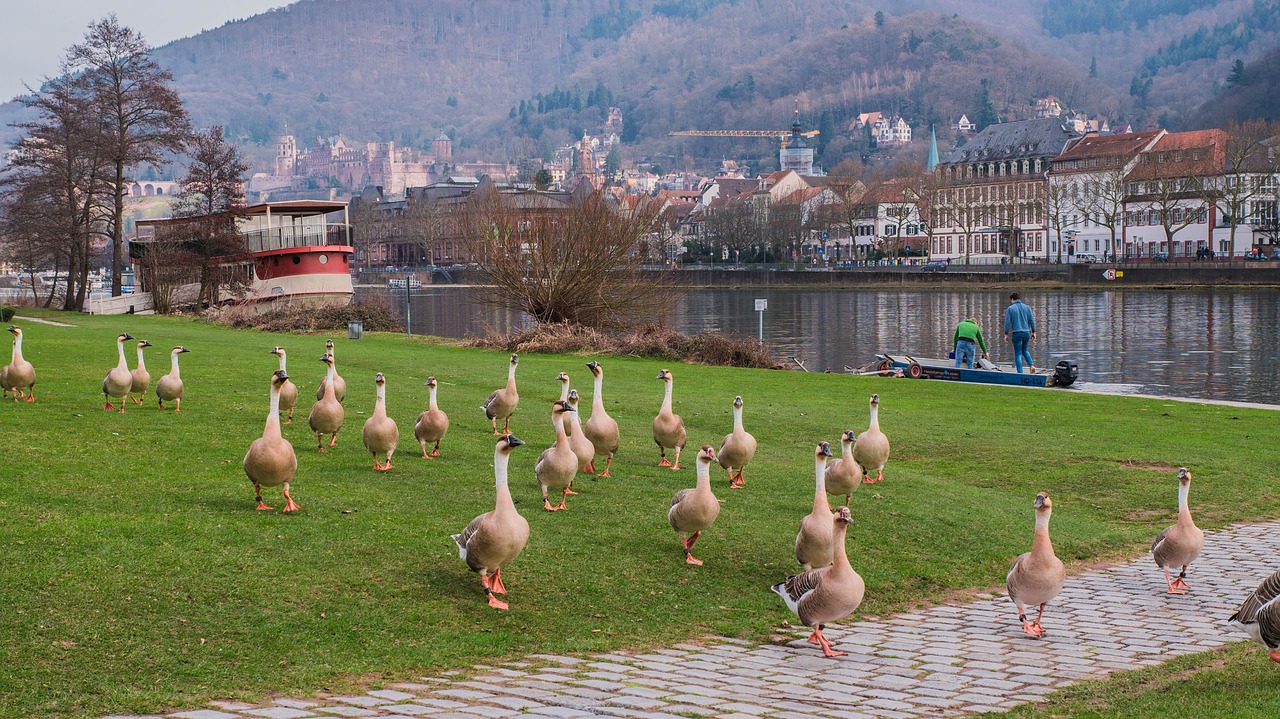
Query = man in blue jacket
x=1020 y=325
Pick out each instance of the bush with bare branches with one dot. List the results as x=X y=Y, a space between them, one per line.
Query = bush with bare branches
x=572 y=261
x=375 y=313
x=651 y=340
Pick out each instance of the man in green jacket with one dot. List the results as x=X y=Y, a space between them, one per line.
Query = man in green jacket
x=967 y=341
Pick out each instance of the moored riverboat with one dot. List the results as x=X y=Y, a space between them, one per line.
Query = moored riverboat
x=1063 y=374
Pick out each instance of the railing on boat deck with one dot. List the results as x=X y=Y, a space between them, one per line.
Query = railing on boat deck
x=283 y=238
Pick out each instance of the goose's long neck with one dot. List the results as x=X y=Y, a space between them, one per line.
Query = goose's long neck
x=122 y=363
x=666 y=397
x=173 y=369
x=875 y=418
x=431 y=398
x=329 y=391
x=737 y=419
x=17 y=349
x=142 y=362
x=273 y=419
x=840 y=558
x=504 y=504
x=820 y=502
x=564 y=391
x=557 y=421
x=282 y=369
x=704 y=475
x=380 y=404
x=1040 y=544
x=597 y=400
x=1184 y=510
x=511 y=377
x=847 y=452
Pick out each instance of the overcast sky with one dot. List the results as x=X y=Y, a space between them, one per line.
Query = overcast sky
x=38 y=32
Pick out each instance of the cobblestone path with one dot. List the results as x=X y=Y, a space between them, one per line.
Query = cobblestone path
x=945 y=661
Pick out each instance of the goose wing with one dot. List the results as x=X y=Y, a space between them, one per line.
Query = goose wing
x=680 y=496
x=489 y=402
x=464 y=539
x=798 y=586
x=1262 y=596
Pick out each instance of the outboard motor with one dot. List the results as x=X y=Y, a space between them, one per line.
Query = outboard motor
x=1064 y=373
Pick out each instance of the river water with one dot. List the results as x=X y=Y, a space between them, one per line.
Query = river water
x=1214 y=344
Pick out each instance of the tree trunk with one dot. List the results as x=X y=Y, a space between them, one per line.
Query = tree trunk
x=117 y=231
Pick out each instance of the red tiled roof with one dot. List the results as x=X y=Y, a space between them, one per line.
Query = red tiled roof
x=1094 y=146
x=1183 y=154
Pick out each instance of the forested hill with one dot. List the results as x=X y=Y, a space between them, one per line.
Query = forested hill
x=404 y=70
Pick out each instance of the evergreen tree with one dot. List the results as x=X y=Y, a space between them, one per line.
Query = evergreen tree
x=826 y=130
x=1093 y=67
x=880 y=18
x=986 y=114
x=1237 y=73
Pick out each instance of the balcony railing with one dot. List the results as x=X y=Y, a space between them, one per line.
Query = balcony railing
x=283 y=238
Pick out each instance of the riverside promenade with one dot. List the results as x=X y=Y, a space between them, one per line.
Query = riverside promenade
x=948 y=660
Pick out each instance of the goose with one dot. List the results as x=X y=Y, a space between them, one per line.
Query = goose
x=289 y=390
x=737 y=449
x=1259 y=615
x=431 y=424
x=327 y=414
x=141 y=377
x=557 y=464
x=502 y=402
x=19 y=374
x=119 y=380
x=668 y=428
x=582 y=446
x=821 y=596
x=495 y=539
x=270 y=460
x=1179 y=545
x=380 y=431
x=1038 y=575
x=871 y=450
x=339 y=384
x=563 y=378
x=169 y=388
x=844 y=474
x=601 y=429
x=693 y=511
x=814 y=542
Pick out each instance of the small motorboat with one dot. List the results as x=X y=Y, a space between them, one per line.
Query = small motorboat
x=1063 y=374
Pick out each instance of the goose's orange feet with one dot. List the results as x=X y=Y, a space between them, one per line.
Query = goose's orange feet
x=675 y=467
x=424 y=452
x=665 y=462
x=290 y=505
x=826 y=647
x=497 y=603
x=591 y=467
x=1275 y=655
x=495 y=583
x=334 y=440
x=546 y=504
x=689 y=559
x=813 y=638
x=31 y=396
x=435 y=452
x=105 y=408
x=262 y=506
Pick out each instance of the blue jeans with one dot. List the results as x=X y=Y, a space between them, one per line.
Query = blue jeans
x=965 y=351
x=1020 y=341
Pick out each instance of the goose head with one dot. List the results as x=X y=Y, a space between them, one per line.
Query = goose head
x=561 y=406
x=875 y=400
x=326 y=358
x=515 y=360
x=1184 y=475
x=17 y=332
x=595 y=368
x=328 y=344
x=122 y=338
x=379 y=380
x=849 y=437
x=279 y=378
x=737 y=402
x=665 y=375
x=144 y=343
x=431 y=382
x=844 y=516
x=707 y=454
x=563 y=377
x=508 y=443
x=824 y=449
x=573 y=399
x=179 y=350
x=277 y=351
x=1043 y=504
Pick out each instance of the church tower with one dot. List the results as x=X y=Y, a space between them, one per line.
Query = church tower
x=286 y=156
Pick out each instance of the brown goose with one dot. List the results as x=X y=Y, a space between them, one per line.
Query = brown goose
x=821 y=596
x=169 y=388
x=582 y=446
x=1038 y=575
x=339 y=384
x=815 y=543
x=431 y=424
x=495 y=539
x=119 y=380
x=871 y=450
x=668 y=428
x=289 y=390
x=270 y=460
x=693 y=511
x=1259 y=615
x=1179 y=545
x=380 y=433
x=601 y=429
x=141 y=377
x=327 y=414
x=844 y=474
x=557 y=464
x=502 y=403
x=738 y=448
x=19 y=374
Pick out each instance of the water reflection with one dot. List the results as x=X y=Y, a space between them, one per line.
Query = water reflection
x=1219 y=344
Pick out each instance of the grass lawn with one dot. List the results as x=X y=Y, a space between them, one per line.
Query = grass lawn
x=135 y=575
x=1238 y=682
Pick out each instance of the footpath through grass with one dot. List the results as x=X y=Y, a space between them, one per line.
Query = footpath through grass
x=135 y=575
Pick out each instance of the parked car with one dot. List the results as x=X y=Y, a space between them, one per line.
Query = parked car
x=1087 y=258
x=1160 y=257
x=933 y=267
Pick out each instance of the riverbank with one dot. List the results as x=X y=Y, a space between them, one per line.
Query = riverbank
x=143 y=579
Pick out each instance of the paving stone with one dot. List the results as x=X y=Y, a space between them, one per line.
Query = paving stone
x=205 y=714
x=233 y=706
x=365 y=701
x=296 y=703
x=392 y=695
x=348 y=711
x=410 y=709
x=279 y=713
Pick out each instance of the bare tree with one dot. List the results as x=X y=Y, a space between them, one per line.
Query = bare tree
x=143 y=118
x=1061 y=206
x=1249 y=162
x=213 y=198
x=1104 y=200
x=577 y=263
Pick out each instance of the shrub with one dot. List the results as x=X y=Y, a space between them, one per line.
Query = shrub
x=374 y=312
x=7 y=313
x=650 y=340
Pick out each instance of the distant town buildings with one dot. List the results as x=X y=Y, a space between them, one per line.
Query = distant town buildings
x=887 y=130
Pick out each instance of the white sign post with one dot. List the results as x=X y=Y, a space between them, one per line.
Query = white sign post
x=761 y=306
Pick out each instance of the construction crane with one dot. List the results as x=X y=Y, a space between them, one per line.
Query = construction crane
x=783 y=136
